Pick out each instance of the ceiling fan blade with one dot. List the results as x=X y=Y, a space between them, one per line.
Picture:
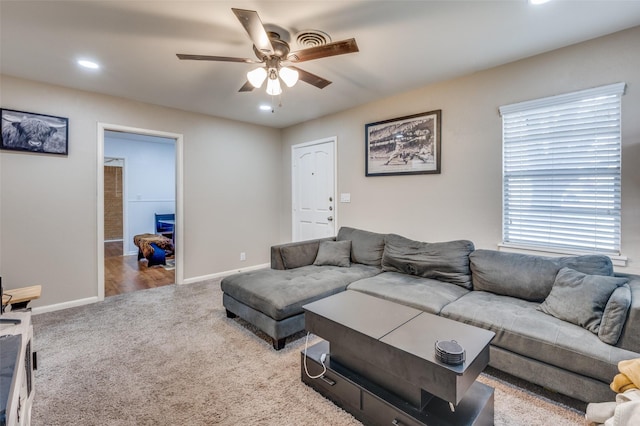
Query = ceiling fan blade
x=311 y=79
x=215 y=58
x=247 y=87
x=253 y=25
x=329 y=49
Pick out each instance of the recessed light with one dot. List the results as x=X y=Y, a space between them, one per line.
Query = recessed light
x=265 y=107
x=536 y=2
x=88 y=64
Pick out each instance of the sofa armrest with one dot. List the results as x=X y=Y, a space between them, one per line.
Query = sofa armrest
x=295 y=255
x=630 y=338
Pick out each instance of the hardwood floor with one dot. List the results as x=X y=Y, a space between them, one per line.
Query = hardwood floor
x=124 y=274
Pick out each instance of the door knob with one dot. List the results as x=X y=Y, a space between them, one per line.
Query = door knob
x=330 y=218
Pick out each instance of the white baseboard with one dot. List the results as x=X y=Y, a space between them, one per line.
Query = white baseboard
x=89 y=300
x=225 y=273
x=64 y=305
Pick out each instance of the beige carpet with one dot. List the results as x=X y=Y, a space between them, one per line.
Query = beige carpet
x=169 y=356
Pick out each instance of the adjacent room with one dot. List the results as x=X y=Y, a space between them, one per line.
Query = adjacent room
x=137 y=206
x=334 y=213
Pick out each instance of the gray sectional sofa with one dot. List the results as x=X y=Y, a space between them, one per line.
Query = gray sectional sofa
x=562 y=323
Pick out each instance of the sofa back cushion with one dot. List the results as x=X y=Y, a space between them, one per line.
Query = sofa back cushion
x=447 y=261
x=366 y=246
x=526 y=276
x=590 y=264
x=298 y=255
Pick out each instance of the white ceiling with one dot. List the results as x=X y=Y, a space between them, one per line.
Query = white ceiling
x=403 y=45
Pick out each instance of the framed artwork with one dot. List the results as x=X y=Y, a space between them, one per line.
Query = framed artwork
x=403 y=146
x=30 y=132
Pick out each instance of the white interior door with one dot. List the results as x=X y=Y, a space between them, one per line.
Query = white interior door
x=313 y=184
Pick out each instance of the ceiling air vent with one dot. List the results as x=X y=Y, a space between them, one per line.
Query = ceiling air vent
x=312 y=38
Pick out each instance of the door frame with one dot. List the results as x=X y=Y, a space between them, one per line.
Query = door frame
x=124 y=197
x=179 y=225
x=334 y=141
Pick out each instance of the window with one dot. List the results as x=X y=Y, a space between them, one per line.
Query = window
x=561 y=171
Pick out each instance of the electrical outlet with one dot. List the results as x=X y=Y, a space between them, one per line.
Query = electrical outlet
x=243 y=256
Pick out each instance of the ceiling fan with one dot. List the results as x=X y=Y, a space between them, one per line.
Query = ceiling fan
x=276 y=58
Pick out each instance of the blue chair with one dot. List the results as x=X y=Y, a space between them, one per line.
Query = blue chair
x=163 y=227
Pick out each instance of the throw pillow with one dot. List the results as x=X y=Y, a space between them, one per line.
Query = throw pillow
x=615 y=315
x=334 y=253
x=580 y=298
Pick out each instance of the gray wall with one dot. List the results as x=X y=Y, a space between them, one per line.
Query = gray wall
x=464 y=201
x=237 y=182
x=48 y=217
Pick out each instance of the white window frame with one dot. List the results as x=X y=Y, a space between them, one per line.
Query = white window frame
x=543 y=200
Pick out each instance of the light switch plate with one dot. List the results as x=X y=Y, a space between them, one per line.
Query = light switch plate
x=345 y=197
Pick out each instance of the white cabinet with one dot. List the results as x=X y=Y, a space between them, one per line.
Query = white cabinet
x=16 y=368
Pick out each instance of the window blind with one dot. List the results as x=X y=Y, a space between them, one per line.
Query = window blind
x=561 y=171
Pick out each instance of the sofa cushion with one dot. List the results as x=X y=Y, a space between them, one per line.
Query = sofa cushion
x=366 y=247
x=295 y=256
x=580 y=298
x=334 y=253
x=512 y=274
x=420 y=293
x=615 y=315
x=446 y=261
x=591 y=264
x=280 y=293
x=527 y=276
x=522 y=329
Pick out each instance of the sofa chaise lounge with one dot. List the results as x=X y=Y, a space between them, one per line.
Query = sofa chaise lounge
x=562 y=323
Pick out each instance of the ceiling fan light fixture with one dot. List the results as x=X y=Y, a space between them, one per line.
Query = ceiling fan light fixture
x=272 y=49
x=289 y=76
x=257 y=76
x=273 y=87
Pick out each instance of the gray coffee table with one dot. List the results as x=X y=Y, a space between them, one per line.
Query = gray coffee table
x=382 y=365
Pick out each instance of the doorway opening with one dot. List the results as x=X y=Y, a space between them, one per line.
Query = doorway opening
x=141 y=178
